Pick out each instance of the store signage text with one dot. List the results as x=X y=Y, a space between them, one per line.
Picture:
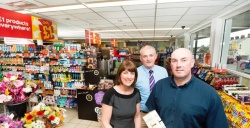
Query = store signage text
x=13 y=24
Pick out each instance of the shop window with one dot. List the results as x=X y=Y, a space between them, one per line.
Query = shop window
x=239 y=53
x=200 y=44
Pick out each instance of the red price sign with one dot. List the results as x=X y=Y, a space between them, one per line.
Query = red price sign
x=46 y=29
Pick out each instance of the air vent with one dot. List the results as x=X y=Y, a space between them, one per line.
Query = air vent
x=21 y=4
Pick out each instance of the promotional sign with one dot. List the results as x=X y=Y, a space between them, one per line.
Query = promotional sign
x=44 y=29
x=87 y=36
x=13 y=24
x=113 y=42
x=92 y=37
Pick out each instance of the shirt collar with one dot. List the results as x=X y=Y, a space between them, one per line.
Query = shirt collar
x=147 y=70
x=185 y=85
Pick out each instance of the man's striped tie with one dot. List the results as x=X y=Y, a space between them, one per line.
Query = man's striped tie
x=151 y=80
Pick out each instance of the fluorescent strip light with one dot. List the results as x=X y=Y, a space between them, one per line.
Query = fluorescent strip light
x=119 y=3
x=24 y=12
x=176 y=1
x=59 y=8
x=131 y=30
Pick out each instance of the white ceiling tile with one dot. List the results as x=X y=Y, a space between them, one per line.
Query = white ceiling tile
x=238 y=2
x=161 y=32
x=8 y=1
x=136 y=35
x=57 y=2
x=165 y=23
x=127 y=27
x=160 y=35
x=107 y=28
x=96 y=21
x=145 y=27
x=64 y=17
x=8 y=7
x=176 y=32
x=171 y=11
x=120 y=20
x=186 y=23
x=111 y=15
x=204 y=10
x=224 y=10
x=142 y=19
x=88 y=16
x=141 y=13
x=76 y=22
x=172 y=5
x=148 y=24
x=210 y=3
x=195 y=4
x=123 y=24
x=195 y=17
x=163 y=26
x=107 y=9
x=75 y=11
x=168 y=18
x=93 y=1
x=147 y=32
x=122 y=34
x=139 y=7
x=104 y=25
x=147 y=35
x=53 y=13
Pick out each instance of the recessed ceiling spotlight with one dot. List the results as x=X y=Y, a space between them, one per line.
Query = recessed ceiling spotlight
x=67 y=18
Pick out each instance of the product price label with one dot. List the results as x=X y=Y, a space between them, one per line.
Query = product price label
x=46 y=29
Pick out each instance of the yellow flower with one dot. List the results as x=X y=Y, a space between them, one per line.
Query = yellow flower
x=46 y=113
x=7 y=91
x=28 y=125
x=28 y=121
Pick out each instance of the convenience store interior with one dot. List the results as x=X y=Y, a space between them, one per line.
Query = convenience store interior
x=165 y=21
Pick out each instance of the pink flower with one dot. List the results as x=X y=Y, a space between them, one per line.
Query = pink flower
x=8 y=75
x=18 y=83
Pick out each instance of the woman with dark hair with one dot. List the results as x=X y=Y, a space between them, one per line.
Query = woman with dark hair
x=121 y=104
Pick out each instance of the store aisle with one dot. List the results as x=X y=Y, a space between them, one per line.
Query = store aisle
x=72 y=121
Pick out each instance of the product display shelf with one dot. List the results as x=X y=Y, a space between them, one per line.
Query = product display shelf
x=136 y=59
x=238 y=114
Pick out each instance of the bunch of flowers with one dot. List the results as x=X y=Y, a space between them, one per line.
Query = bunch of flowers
x=29 y=87
x=44 y=117
x=11 y=89
x=8 y=122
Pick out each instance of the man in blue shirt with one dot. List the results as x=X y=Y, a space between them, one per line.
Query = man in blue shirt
x=184 y=101
x=147 y=56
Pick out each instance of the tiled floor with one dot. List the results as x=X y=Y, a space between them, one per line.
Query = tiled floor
x=72 y=121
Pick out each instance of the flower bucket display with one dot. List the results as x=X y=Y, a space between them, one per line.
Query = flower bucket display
x=18 y=109
x=14 y=93
x=44 y=117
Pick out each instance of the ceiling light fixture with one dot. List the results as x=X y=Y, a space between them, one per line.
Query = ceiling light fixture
x=131 y=30
x=174 y=1
x=119 y=3
x=58 y=8
x=83 y=5
x=104 y=4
